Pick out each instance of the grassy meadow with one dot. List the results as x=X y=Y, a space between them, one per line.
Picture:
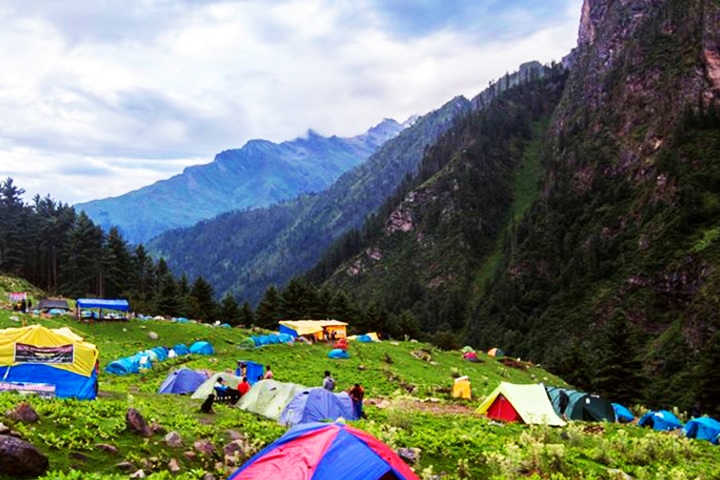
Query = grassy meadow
x=409 y=381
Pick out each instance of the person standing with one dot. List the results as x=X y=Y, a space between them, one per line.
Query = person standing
x=328 y=382
x=357 y=393
x=268 y=373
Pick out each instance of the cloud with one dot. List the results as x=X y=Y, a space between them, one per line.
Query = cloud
x=141 y=89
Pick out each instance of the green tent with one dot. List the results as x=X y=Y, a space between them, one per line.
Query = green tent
x=208 y=385
x=269 y=397
x=582 y=406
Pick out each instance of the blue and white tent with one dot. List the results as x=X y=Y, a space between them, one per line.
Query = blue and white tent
x=622 y=413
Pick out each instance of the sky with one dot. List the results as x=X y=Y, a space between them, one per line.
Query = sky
x=101 y=97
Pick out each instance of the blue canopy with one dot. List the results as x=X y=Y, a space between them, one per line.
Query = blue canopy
x=121 y=305
x=623 y=414
x=202 y=348
x=338 y=353
x=253 y=371
x=317 y=405
x=660 y=420
x=703 y=428
x=182 y=381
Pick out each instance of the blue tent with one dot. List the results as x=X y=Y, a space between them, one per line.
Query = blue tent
x=253 y=371
x=202 y=348
x=623 y=414
x=122 y=366
x=182 y=381
x=181 y=349
x=338 y=353
x=364 y=338
x=660 y=420
x=161 y=352
x=316 y=405
x=703 y=428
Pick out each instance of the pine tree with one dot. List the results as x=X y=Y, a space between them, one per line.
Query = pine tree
x=247 y=316
x=117 y=264
x=267 y=314
x=203 y=305
x=230 y=310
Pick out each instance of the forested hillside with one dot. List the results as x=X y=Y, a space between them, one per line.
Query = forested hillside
x=243 y=252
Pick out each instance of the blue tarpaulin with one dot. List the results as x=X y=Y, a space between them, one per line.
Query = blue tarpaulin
x=121 y=305
x=253 y=371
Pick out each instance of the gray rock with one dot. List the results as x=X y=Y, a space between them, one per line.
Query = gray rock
x=173 y=439
x=204 y=446
x=153 y=336
x=136 y=423
x=4 y=429
x=19 y=458
x=125 y=466
x=410 y=455
x=190 y=455
x=208 y=476
x=138 y=474
x=173 y=466
x=106 y=447
x=23 y=412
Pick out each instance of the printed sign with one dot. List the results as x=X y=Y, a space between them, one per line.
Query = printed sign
x=41 y=389
x=25 y=353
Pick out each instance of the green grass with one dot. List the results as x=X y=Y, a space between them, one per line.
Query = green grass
x=450 y=437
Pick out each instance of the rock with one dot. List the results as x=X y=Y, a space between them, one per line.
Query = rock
x=204 y=446
x=236 y=451
x=125 y=466
x=4 y=429
x=235 y=435
x=173 y=466
x=19 y=458
x=410 y=455
x=79 y=456
x=208 y=476
x=190 y=455
x=136 y=423
x=153 y=336
x=23 y=412
x=106 y=447
x=618 y=474
x=173 y=439
x=157 y=428
x=139 y=474
x=362 y=367
x=382 y=404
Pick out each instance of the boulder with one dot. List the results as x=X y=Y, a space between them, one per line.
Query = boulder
x=409 y=455
x=106 y=447
x=173 y=439
x=153 y=336
x=190 y=455
x=204 y=446
x=23 y=412
x=138 y=474
x=136 y=423
x=125 y=466
x=173 y=466
x=19 y=458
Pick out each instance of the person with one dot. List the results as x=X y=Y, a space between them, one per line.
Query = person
x=563 y=401
x=243 y=387
x=333 y=335
x=328 y=381
x=225 y=390
x=696 y=411
x=23 y=306
x=357 y=393
x=241 y=369
x=268 y=373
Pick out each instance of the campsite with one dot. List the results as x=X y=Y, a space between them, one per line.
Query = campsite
x=408 y=403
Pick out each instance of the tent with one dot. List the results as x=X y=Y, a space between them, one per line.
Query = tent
x=269 y=397
x=181 y=349
x=208 y=386
x=58 y=358
x=252 y=370
x=182 y=381
x=660 y=420
x=338 y=353
x=317 y=328
x=317 y=404
x=325 y=451
x=527 y=403
x=582 y=406
x=496 y=352
x=47 y=304
x=202 y=348
x=623 y=414
x=702 y=428
x=131 y=364
x=365 y=338
x=461 y=388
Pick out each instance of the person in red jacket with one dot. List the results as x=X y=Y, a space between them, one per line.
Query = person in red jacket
x=243 y=387
x=357 y=393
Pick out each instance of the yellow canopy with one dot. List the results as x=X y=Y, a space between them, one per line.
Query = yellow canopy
x=37 y=344
x=316 y=327
x=531 y=402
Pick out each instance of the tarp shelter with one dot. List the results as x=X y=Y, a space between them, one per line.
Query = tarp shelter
x=520 y=403
x=182 y=381
x=269 y=397
x=622 y=413
x=461 y=388
x=57 y=357
x=101 y=304
x=317 y=328
x=496 y=352
x=208 y=386
x=325 y=451
x=582 y=406
x=338 y=353
x=660 y=420
x=252 y=370
x=316 y=405
x=202 y=348
x=702 y=428
x=47 y=304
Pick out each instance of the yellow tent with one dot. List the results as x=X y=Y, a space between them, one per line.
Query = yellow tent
x=526 y=403
x=314 y=327
x=461 y=388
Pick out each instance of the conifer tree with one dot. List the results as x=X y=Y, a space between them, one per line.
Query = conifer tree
x=203 y=305
x=268 y=312
x=229 y=310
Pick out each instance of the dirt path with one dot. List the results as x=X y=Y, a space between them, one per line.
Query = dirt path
x=436 y=408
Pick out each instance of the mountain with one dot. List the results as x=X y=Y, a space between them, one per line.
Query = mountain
x=258 y=174
x=590 y=242
x=244 y=252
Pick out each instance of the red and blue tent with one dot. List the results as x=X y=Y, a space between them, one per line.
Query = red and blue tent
x=325 y=451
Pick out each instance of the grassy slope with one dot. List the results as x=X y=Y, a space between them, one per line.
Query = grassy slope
x=450 y=437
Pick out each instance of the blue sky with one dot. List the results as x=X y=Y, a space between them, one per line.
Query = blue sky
x=98 y=97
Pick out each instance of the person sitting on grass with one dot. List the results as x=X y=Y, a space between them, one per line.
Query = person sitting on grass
x=226 y=391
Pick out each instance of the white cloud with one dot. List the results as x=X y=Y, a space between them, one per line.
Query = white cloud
x=100 y=98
